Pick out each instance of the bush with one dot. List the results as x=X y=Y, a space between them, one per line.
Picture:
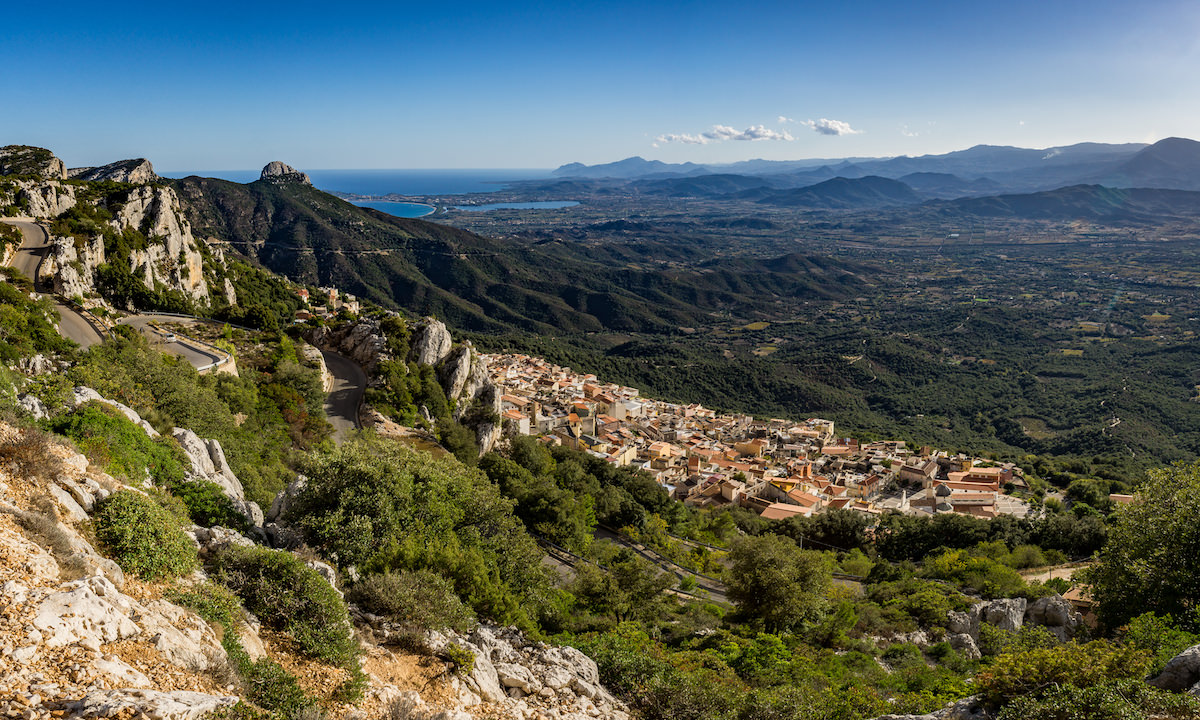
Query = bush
x=1160 y=636
x=29 y=450
x=142 y=537
x=207 y=505
x=419 y=599
x=1125 y=700
x=462 y=660
x=1030 y=672
x=272 y=687
x=265 y=682
x=215 y=603
x=124 y=449
x=288 y=595
x=379 y=506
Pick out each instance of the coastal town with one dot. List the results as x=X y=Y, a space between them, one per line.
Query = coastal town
x=777 y=468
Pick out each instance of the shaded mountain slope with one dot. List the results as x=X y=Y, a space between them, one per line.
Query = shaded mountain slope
x=475 y=282
x=1081 y=202
x=847 y=194
x=1170 y=163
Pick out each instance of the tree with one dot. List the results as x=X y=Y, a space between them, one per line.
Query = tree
x=1151 y=561
x=772 y=579
x=630 y=588
x=841 y=528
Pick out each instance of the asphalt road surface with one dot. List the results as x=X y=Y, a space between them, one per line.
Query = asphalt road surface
x=342 y=401
x=198 y=357
x=34 y=246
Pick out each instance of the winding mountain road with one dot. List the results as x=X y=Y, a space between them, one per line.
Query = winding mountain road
x=344 y=398
x=341 y=403
x=197 y=356
x=34 y=247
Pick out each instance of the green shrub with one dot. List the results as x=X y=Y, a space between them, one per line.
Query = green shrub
x=379 y=506
x=265 y=682
x=215 y=603
x=142 y=537
x=124 y=449
x=272 y=687
x=419 y=599
x=207 y=505
x=462 y=660
x=1160 y=636
x=1125 y=700
x=288 y=595
x=1026 y=672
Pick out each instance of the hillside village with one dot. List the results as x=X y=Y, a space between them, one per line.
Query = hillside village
x=777 y=468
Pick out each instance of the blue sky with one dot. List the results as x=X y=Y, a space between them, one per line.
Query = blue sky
x=220 y=85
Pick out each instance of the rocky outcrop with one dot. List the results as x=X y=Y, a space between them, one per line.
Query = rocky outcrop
x=137 y=172
x=1181 y=674
x=1011 y=614
x=430 y=342
x=34 y=407
x=454 y=370
x=1005 y=613
x=208 y=463
x=276 y=171
x=971 y=708
x=965 y=645
x=179 y=705
x=37 y=365
x=312 y=356
x=515 y=677
x=363 y=342
x=30 y=160
x=171 y=258
x=81 y=395
x=39 y=198
x=1057 y=615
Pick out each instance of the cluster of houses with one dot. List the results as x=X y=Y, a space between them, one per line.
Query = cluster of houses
x=778 y=468
x=328 y=302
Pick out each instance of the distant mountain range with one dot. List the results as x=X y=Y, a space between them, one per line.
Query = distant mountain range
x=1085 y=169
x=1173 y=164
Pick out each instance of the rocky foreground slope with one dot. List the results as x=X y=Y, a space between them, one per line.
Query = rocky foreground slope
x=81 y=638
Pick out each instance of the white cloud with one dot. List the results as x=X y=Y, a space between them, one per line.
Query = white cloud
x=681 y=138
x=831 y=127
x=721 y=133
x=909 y=133
x=784 y=120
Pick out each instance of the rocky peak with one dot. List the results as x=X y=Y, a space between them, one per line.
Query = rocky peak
x=276 y=171
x=29 y=160
x=138 y=172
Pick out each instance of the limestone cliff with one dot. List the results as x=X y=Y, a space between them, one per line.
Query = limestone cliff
x=29 y=160
x=137 y=171
x=171 y=257
x=42 y=199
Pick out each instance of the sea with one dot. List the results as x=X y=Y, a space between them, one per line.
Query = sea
x=402 y=182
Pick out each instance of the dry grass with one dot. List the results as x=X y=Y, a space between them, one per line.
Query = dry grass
x=30 y=451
